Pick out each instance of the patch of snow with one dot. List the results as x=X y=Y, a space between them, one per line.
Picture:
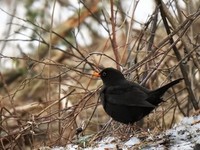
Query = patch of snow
x=185 y=134
x=132 y=141
x=106 y=143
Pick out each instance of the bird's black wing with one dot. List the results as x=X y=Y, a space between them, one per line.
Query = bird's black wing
x=129 y=95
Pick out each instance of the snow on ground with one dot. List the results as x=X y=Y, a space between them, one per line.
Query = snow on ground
x=184 y=136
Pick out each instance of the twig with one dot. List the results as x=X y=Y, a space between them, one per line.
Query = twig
x=113 y=39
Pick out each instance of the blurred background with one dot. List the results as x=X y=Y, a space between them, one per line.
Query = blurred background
x=49 y=50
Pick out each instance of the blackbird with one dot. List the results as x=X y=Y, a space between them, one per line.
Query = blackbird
x=126 y=101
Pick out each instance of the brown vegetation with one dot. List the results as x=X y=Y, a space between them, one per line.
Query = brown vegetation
x=51 y=95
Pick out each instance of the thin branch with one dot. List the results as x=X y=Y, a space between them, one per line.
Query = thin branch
x=113 y=39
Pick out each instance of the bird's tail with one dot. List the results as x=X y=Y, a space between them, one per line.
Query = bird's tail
x=160 y=91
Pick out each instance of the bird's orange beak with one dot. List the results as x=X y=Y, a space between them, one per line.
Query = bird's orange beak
x=96 y=74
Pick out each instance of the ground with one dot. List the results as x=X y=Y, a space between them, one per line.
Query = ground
x=184 y=136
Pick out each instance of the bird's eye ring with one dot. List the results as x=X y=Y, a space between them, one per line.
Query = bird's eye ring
x=104 y=74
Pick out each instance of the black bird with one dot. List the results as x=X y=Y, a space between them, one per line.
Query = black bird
x=125 y=101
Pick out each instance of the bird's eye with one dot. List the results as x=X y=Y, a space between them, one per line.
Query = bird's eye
x=104 y=74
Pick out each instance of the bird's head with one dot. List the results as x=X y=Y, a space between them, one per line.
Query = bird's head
x=110 y=76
